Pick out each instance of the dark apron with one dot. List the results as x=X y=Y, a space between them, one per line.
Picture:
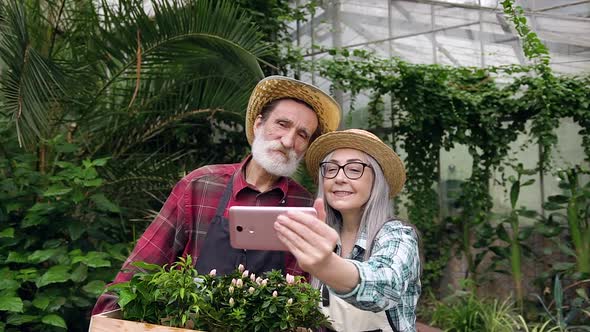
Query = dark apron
x=217 y=253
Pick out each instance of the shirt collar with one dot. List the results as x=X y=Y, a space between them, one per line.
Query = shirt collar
x=360 y=245
x=240 y=183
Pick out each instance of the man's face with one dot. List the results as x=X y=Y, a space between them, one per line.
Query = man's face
x=280 y=142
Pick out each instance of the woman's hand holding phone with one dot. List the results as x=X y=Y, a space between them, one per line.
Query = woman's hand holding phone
x=308 y=237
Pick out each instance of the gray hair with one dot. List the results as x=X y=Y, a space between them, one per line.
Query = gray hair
x=377 y=211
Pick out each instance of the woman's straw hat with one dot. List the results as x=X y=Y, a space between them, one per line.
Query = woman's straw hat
x=278 y=87
x=364 y=141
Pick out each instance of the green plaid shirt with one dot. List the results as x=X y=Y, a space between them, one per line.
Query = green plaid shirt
x=390 y=278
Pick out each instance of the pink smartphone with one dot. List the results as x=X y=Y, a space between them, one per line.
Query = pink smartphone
x=252 y=227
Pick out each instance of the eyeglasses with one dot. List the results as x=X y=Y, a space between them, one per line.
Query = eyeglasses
x=353 y=170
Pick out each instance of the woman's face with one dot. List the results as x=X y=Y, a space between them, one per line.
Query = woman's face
x=341 y=192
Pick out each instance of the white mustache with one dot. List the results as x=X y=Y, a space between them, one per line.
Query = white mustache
x=277 y=146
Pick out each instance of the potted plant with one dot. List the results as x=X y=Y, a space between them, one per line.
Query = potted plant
x=241 y=301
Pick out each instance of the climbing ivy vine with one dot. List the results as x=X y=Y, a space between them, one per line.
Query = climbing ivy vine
x=437 y=107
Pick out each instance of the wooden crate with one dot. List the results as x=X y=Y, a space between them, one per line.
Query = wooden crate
x=111 y=322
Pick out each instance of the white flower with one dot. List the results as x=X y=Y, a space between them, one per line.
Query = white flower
x=253 y=277
x=239 y=283
x=233 y=282
x=213 y=273
x=289 y=301
x=264 y=282
x=245 y=274
x=290 y=278
x=275 y=294
x=241 y=268
x=231 y=301
x=231 y=289
x=251 y=290
x=258 y=280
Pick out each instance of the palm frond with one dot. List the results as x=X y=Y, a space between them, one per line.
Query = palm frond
x=31 y=84
x=177 y=35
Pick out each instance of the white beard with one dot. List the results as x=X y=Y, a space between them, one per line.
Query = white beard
x=274 y=163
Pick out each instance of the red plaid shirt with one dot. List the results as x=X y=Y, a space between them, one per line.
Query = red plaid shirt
x=191 y=207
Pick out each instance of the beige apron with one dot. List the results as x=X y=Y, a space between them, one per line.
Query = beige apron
x=347 y=318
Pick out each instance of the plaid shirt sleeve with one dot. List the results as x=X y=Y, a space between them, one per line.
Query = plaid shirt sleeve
x=390 y=278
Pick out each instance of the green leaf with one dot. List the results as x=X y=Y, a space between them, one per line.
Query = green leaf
x=39 y=256
x=562 y=266
x=97 y=259
x=95 y=287
x=514 y=193
x=126 y=296
x=558 y=199
x=54 y=320
x=7 y=233
x=11 y=303
x=81 y=302
x=582 y=294
x=66 y=147
x=55 y=274
x=41 y=301
x=527 y=213
x=76 y=229
x=80 y=273
x=56 y=191
x=272 y=309
x=566 y=249
x=104 y=203
x=33 y=219
x=16 y=257
x=17 y=319
x=147 y=266
x=100 y=161
x=503 y=252
x=9 y=284
x=93 y=182
x=525 y=233
x=502 y=234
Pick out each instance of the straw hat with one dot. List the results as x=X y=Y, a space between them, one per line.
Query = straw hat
x=277 y=87
x=364 y=141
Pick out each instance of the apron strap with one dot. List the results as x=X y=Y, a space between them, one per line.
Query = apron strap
x=225 y=196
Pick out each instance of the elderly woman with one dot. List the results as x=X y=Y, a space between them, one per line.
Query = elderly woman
x=365 y=260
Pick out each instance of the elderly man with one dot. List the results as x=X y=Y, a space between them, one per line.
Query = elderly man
x=284 y=116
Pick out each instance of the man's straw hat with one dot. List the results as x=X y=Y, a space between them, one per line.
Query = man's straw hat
x=364 y=141
x=278 y=87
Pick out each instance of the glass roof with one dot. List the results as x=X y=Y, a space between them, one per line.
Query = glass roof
x=451 y=32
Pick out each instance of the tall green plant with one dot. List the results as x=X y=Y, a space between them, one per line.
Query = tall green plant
x=571 y=215
x=517 y=236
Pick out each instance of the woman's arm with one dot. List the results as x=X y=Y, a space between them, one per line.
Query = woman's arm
x=312 y=242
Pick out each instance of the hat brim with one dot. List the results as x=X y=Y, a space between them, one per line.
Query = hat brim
x=278 y=87
x=391 y=164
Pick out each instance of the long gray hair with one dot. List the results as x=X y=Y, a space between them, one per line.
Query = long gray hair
x=376 y=212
